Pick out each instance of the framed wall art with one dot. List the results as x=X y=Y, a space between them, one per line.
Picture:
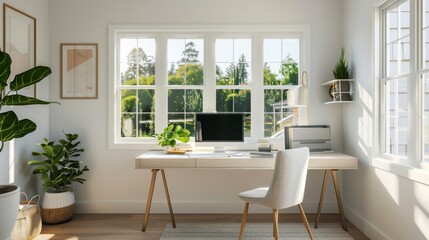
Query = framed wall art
x=79 y=70
x=19 y=41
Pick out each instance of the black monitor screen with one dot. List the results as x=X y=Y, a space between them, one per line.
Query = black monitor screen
x=219 y=127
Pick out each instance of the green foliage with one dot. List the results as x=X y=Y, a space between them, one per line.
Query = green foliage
x=287 y=74
x=289 y=71
x=341 y=68
x=172 y=134
x=10 y=126
x=235 y=74
x=190 y=54
x=58 y=167
x=139 y=64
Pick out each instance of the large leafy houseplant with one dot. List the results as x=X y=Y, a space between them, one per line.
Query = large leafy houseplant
x=10 y=126
x=172 y=134
x=59 y=168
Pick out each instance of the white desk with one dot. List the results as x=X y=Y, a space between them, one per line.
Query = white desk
x=158 y=160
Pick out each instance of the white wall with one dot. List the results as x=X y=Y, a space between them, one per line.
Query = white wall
x=14 y=157
x=113 y=185
x=383 y=205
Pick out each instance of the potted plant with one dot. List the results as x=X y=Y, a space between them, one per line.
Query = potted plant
x=341 y=72
x=171 y=134
x=11 y=127
x=58 y=170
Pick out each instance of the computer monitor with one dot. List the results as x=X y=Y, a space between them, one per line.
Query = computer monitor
x=219 y=127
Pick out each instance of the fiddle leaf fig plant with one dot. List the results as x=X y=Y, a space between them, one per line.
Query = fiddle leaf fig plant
x=172 y=134
x=58 y=166
x=10 y=125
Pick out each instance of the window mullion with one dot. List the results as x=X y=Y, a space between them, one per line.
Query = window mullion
x=413 y=86
x=209 y=92
x=257 y=87
x=161 y=106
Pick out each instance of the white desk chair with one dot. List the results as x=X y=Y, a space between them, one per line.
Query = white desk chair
x=286 y=189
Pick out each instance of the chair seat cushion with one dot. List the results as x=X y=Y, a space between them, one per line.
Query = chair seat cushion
x=254 y=196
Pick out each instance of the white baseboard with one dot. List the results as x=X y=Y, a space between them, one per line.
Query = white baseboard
x=193 y=207
x=368 y=229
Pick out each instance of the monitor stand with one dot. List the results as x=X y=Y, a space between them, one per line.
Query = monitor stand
x=219 y=149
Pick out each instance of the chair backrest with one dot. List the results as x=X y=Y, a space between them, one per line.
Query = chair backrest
x=290 y=174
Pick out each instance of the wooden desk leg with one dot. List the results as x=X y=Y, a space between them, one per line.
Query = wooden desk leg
x=167 y=195
x=149 y=199
x=322 y=195
x=337 y=193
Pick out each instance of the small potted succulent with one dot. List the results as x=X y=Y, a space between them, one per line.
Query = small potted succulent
x=58 y=169
x=171 y=134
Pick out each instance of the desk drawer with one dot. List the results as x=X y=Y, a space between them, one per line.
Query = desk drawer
x=165 y=163
x=242 y=163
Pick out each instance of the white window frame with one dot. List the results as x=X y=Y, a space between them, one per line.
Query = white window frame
x=413 y=166
x=210 y=33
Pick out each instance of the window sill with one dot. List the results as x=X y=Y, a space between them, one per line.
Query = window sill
x=414 y=174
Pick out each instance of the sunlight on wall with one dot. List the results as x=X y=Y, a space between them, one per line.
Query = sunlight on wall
x=365 y=121
x=390 y=183
x=11 y=161
x=421 y=209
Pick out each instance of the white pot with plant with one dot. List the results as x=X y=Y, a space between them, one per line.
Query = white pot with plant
x=11 y=127
x=58 y=170
x=171 y=134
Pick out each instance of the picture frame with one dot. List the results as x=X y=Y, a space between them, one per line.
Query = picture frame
x=22 y=50
x=79 y=70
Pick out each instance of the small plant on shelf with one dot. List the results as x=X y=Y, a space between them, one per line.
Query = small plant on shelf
x=341 y=68
x=340 y=90
x=172 y=134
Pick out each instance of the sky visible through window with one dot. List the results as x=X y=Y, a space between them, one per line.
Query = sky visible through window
x=274 y=50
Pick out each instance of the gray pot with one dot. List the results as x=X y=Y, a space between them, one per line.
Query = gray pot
x=9 y=207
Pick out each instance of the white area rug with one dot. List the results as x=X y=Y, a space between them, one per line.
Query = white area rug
x=259 y=231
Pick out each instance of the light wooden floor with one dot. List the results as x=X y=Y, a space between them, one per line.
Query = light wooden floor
x=128 y=226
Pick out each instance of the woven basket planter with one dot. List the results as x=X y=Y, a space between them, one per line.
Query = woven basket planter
x=58 y=207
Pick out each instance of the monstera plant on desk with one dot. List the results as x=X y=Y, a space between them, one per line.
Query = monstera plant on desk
x=11 y=127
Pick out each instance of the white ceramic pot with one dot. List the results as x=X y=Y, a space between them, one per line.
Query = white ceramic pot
x=9 y=205
x=58 y=207
x=167 y=148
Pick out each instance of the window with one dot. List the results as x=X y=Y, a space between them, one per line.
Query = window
x=233 y=78
x=162 y=75
x=136 y=89
x=185 y=79
x=404 y=85
x=281 y=67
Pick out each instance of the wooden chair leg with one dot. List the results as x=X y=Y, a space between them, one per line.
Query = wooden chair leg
x=276 y=223
x=243 y=220
x=304 y=219
x=274 y=228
